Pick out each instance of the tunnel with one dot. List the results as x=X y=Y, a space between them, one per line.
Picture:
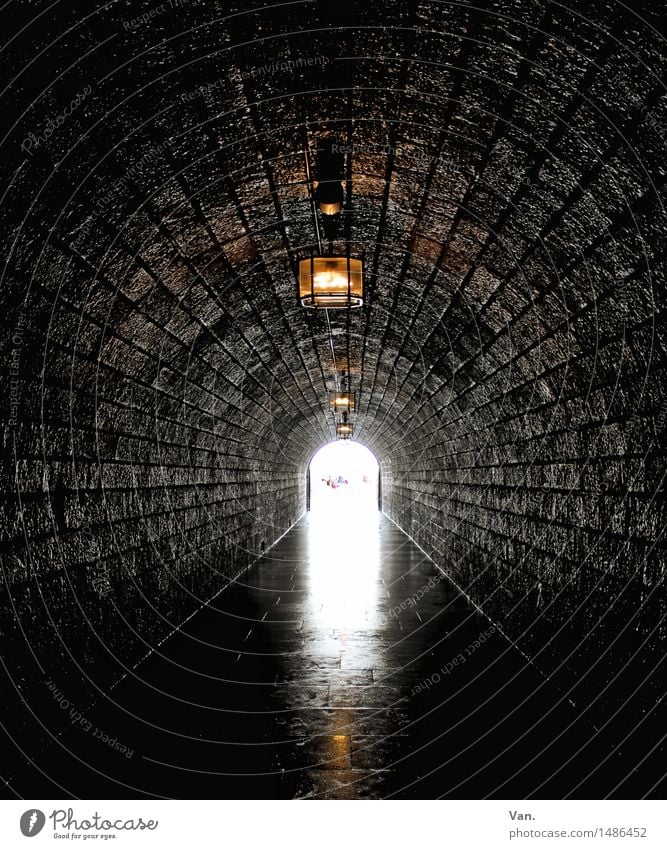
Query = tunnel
x=176 y=622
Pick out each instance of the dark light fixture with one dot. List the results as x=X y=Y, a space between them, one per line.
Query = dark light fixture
x=329 y=183
x=342 y=401
x=331 y=282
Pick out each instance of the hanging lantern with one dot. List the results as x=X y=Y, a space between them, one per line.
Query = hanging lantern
x=344 y=430
x=329 y=197
x=331 y=282
x=329 y=185
x=342 y=401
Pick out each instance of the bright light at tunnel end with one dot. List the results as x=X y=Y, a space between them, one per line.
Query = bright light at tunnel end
x=348 y=451
x=343 y=475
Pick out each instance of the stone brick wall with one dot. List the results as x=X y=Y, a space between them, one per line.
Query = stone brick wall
x=140 y=477
x=553 y=531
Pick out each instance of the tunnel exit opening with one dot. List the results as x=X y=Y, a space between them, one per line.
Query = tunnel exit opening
x=343 y=475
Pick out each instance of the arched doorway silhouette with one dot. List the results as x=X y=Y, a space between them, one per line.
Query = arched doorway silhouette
x=343 y=473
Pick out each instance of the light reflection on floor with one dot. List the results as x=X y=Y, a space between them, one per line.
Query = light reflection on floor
x=344 y=564
x=343 y=602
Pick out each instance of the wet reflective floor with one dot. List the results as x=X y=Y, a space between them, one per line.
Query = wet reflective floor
x=341 y=665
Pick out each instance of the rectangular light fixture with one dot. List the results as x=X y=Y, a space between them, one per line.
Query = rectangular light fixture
x=331 y=282
x=344 y=430
x=342 y=401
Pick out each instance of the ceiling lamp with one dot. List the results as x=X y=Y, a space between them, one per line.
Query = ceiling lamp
x=329 y=197
x=329 y=182
x=331 y=282
x=344 y=430
x=342 y=401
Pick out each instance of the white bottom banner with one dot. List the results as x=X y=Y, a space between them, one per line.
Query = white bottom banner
x=328 y=825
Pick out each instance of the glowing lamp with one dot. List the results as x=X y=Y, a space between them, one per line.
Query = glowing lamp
x=329 y=187
x=329 y=197
x=342 y=401
x=344 y=430
x=331 y=282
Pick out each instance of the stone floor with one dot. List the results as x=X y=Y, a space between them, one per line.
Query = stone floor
x=342 y=665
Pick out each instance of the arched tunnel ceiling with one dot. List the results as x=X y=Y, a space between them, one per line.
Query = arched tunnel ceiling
x=505 y=174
